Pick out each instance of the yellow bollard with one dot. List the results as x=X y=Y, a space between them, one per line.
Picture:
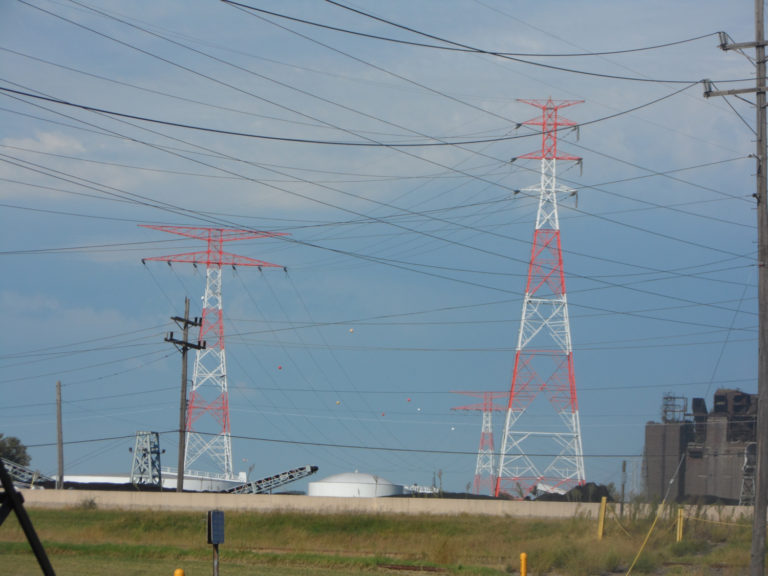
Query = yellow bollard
x=178 y=572
x=601 y=518
x=679 y=537
x=523 y=564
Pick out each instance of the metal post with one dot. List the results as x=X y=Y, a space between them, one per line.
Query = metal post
x=623 y=483
x=215 y=535
x=59 y=438
x=757 y=560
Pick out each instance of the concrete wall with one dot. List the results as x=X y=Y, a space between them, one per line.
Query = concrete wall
x=325 y=505
x=305 y=504
x=664 y=446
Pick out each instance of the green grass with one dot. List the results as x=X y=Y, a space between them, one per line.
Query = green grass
x=84 y=541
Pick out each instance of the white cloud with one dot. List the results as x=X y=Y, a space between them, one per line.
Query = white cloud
x=24 y=303
x=47 y=142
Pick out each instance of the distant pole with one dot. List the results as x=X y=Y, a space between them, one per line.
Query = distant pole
x=59 y=438
x=623 y=483
x=183 y=403
x=184 y=345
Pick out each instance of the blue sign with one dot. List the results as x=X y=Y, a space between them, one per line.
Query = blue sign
x=215 y=527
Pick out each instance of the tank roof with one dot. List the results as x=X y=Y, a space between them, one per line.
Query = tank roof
x=355 y=478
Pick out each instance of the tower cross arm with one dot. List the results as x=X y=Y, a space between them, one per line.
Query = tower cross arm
x=549 y=103
x=486 y=405
x=207 y=258
x=538 y=155
x=220 y=234
x=538 y=121
x=481 y=407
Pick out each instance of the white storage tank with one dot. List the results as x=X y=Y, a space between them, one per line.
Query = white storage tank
x=354 y=485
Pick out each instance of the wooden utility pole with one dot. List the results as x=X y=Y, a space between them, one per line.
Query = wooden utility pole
x=757 y=560
x=757 y=557
x=183 y=345
x=59 y=439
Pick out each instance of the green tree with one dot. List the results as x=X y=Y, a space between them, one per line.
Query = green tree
x=12 y=449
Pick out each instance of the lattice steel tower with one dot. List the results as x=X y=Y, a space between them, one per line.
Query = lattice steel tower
x=208 y=439
x=145 y=468
x=538 y=449
x=485 y=471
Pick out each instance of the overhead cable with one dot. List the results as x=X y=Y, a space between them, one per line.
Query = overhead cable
x=457 y=46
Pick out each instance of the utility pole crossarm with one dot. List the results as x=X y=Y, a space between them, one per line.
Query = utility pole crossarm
x=183 y=343
x=709 y=93
x=197 y=321
x=725 y=45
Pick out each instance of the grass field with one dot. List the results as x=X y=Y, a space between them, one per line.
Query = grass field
x=85 y=541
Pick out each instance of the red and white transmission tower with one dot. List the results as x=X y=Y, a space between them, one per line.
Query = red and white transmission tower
x=536 y=451
x=207 y=422
x=485 y=472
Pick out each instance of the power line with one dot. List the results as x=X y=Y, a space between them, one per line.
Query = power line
x=188 y=47
x=280 y=83
x=401 y=77
x=259 y=136
x=409 y=267
x=93 y=440
x=314 y=444
x=442 y=141
x=315 y=224
x=19 y=379
x=467 y=48
x=443 y=240
x=153 y=91
x=67 y=347
x=458 y=48
x=311 y=94
x=401 y=392
x=91 y=398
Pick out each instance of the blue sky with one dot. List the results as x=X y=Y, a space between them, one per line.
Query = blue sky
x=405 y=265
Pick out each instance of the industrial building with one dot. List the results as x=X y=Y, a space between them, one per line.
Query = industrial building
x=700 y=455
